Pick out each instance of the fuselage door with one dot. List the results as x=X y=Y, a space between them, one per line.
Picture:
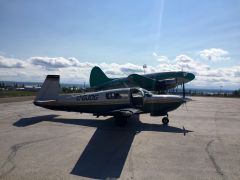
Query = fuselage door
x=136 y=98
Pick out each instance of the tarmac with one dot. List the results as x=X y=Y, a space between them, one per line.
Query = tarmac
x=201 y=141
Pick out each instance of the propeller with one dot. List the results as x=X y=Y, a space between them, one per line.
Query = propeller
x=183 y=90
x=183 y=96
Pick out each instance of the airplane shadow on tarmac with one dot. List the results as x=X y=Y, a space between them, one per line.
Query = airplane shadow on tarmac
x=106 y=153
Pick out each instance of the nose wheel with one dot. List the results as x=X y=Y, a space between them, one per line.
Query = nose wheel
x=165 y=120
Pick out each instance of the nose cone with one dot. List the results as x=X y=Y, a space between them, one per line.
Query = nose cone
x=178 y=99
x=187 y=76
x=190 y=76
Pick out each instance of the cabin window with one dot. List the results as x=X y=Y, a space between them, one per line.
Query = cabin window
x=124 y=95
x=117 y=95
x=137 y=93
x=113 y=95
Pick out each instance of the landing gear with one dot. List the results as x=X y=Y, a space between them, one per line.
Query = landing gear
x=165 y=120
x=120 y=121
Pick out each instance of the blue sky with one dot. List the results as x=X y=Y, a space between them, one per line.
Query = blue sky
x=122 y=31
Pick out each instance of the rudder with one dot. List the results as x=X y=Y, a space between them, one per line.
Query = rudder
x=50 y=89
x=97 y=77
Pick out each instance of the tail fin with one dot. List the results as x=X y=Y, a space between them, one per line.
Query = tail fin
x=50 y=89
x=97 y=77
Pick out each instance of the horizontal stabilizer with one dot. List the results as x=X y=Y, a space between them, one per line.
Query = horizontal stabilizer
x=44 y=103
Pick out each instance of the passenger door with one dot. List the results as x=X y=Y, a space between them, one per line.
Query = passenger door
x=136 y=98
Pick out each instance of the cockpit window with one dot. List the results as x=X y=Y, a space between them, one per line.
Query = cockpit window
x=117 y=95
x=147 y=94
x=137 y=93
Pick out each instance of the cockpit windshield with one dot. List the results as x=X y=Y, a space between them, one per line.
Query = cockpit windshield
x=147 y=93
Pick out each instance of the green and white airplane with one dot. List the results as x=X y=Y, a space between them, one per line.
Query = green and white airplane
x=120 y=103
x=153 y=82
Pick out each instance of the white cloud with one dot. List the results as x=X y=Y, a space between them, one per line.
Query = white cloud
x=11 y=63
x=131 y=68
x=55 y=62
x=162 y=59
x=214 y=54
x=181 y=62
x=225 y=77
x=183 y=58
x=72 y=70
x=116 y=70
x=205 y=75
x=186 y=63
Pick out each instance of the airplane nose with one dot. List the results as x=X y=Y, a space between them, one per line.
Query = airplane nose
x=187 y=76
x=177 y=99
x=191 y=76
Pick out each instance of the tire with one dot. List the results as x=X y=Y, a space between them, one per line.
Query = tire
x=165 y=120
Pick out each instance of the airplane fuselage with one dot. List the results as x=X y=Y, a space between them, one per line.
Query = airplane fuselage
x=173 y=78
x=106 y=102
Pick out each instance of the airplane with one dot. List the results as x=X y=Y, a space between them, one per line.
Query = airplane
x=153 y=82
x=120 y=103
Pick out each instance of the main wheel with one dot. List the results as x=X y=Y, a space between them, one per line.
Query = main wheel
x=165 y=120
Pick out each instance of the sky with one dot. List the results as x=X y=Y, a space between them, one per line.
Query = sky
x=70 y=37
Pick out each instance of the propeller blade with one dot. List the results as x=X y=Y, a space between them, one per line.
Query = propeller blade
x=183 y=90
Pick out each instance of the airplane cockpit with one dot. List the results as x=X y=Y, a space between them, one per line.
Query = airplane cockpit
x=117 y=95
x=147 y=93
x=136 y=97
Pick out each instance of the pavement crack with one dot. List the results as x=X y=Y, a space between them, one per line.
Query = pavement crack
x=13 y=152
x=211 y=157
x=131 y=165
x=9 y=162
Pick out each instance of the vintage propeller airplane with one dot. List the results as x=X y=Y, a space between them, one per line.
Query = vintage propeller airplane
x=153 y=82
x=120 y=103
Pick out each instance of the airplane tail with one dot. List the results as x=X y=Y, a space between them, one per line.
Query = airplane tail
x=50 y=89
x=97 y=77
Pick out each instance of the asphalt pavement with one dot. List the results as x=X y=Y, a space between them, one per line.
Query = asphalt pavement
x=202 y=141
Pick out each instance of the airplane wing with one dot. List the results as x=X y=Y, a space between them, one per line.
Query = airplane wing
x=152 y=84
x=144 y=82
x=126 y=112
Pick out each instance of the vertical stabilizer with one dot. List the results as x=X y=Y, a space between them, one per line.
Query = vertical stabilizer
x=50 y=88
x=97 y=77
